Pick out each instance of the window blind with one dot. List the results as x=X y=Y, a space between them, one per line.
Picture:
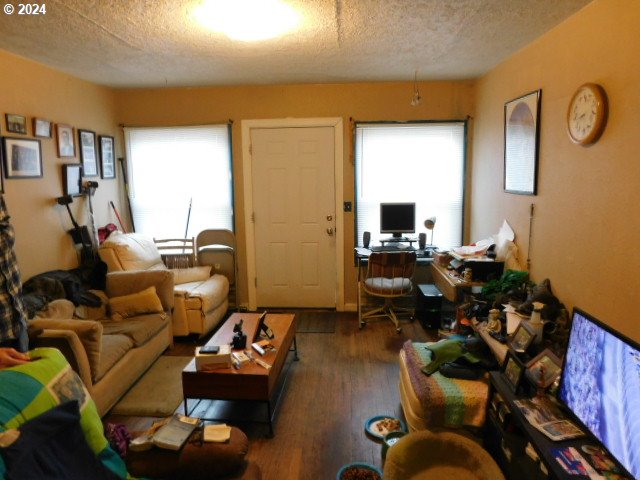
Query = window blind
x=418 y=162
x=173 y=167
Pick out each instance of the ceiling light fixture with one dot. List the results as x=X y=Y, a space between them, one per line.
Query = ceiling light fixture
x=416 y=99
x=247 y=20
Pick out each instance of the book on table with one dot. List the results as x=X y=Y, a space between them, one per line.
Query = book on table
x=545 y=416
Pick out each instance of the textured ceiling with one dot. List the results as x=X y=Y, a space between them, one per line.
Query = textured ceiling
x=143 y=43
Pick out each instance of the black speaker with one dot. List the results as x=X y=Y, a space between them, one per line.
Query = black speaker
x=422 y=240
x=366 y=238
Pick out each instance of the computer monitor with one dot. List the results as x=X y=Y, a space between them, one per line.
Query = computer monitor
x=397 y=218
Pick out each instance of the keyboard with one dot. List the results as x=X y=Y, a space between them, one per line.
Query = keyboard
x=392 y=248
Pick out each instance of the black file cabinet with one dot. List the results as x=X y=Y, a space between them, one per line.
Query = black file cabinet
x=429 y=306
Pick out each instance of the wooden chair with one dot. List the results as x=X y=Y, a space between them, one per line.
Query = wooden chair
x=177 y=252
x=389 y=275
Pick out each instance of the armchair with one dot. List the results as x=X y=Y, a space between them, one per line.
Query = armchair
x=200 y=299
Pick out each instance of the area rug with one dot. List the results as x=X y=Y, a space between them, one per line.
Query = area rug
x=158 y=392
x=316 y=322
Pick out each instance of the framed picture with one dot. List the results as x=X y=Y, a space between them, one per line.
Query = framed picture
x=72 y=179
x=22 y=157
x=512 y=371
x=64 y=136
x=16 y=123
x=543 y=370
x=522 y=337
x=521 y=140
x=107 y=159
x=41 y=128
x=88 y=157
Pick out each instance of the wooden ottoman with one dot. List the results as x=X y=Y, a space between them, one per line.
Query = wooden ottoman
x=197 y=461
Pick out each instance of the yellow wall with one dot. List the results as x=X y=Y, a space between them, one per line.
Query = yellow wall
x=585 y=229
x=373 y=101
x=32 y=90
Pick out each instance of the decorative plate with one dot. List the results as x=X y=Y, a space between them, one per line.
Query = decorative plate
x=371 y=426
x=361 y=465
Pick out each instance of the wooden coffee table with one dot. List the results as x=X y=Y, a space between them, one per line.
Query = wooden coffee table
x=251 y=381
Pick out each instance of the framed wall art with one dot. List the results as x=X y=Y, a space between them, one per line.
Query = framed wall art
x=88 y=157
x=521 y=141
x=107 y=158
x=22 y=157
x=41 y=128
x=16 y=123
x=72 y=179
x=64 y=136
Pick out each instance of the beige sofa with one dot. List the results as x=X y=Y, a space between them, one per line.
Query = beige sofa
x=201 y=299
x=111 y=354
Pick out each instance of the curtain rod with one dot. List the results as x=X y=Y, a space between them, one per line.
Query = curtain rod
x=224 y=122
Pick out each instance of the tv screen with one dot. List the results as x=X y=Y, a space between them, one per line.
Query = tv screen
x=397 y=218
x=600 y=385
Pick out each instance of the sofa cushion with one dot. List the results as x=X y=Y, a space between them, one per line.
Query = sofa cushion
x=130 y=251
x=205 y=295
x=139 y=329
x=193 y=274
x=33 y=388
x=114 y=347
x=143 y=302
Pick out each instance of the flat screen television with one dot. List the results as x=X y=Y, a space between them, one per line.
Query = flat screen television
x=397 y=218
x=600 y=385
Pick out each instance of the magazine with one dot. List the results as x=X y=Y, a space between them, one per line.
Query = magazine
x=544 y=415
x=175 y=432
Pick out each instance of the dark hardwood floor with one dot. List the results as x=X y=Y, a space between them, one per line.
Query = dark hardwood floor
x=341 y=380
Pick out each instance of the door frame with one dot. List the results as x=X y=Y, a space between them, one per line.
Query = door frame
x=247 y=161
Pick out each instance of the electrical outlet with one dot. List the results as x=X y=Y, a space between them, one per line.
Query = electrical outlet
x=217 y=266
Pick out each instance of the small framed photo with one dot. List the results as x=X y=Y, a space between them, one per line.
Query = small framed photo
x=22 y=158
x=543 y=370
x=66 y=143
x=512 y=371
x=72 y=179
x=107 y=158
x=88 y=156
x=16 y=123
x=41 y=128
x=522 y=338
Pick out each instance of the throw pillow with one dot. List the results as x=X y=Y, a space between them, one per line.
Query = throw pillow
x=193 y=274
x=146 y=301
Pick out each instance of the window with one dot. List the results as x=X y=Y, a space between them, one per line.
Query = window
x=412 y=162
x=179 y=177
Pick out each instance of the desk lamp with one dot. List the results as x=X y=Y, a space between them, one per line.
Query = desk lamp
x=429 y=224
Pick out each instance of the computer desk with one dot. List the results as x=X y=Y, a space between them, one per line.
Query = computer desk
x=448 y=282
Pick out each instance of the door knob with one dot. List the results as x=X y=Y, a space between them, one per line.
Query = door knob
x=330 y=231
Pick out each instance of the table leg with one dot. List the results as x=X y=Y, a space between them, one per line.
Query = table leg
x=295 y=349
x=270 y=419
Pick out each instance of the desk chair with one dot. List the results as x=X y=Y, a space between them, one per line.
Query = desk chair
x=389 y=275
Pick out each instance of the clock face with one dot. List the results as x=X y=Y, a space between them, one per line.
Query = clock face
x=586 y=114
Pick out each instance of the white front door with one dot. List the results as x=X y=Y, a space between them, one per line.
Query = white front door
x=294 y=216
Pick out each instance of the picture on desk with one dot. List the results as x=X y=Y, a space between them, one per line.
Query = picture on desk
x=522 y=338
x=544 y=369
x=513 y=371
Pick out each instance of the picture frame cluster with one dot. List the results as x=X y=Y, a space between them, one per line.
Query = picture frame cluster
x=22 y=154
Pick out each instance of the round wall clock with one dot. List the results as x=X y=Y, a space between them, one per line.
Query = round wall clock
x=587 y=114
